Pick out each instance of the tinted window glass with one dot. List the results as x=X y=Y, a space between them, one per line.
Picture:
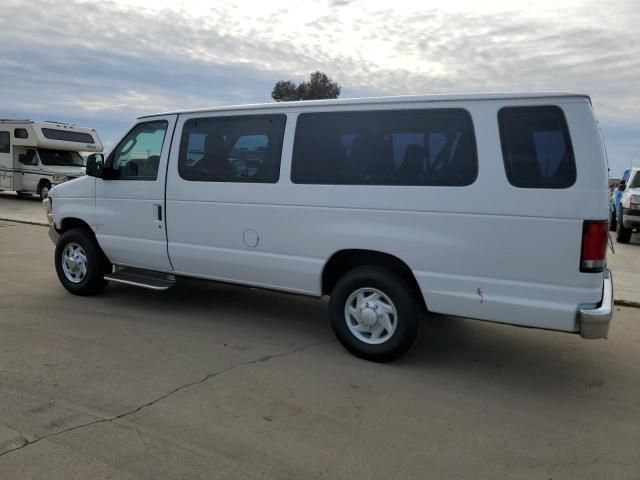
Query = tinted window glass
x=60 y=157
x=5 y=142
x=54 y=134
x=20 y=133
x=232 y=149
x=536 y=147
x=635 y=183
x=406 y=147
x=138 y=154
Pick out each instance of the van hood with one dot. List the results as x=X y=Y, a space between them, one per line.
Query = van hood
x=82 y=187
x=66 y=170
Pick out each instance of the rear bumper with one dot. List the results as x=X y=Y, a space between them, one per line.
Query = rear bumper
x=594 y=322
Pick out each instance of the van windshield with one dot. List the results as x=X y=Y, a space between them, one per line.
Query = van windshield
x=60 y=157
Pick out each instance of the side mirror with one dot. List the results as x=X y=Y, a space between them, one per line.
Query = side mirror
x=622 y=185
x=22 y=158
x=95 y=162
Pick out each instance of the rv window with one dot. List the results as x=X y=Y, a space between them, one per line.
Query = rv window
x=232 y=149
x=5 y=142
x=434 y=147
x=58 y=157
x=67 y=136
x=21 y=133
x=29 y=158
x=536 y=147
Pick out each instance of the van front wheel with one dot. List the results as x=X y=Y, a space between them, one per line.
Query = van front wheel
x=80 y=263
x=374 y=314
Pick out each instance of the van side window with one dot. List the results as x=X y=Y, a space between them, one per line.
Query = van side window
x=232 y=149
x=5 y=142
x=536 y=147
x=403 y=147
x=137 y=156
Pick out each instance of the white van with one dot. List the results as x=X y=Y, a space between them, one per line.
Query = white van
x=488 y=206
x=34 y=156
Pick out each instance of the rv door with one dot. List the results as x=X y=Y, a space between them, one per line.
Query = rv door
x=6 y=161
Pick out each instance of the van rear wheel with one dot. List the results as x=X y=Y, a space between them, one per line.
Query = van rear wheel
x=374 y=314
x=80 y=263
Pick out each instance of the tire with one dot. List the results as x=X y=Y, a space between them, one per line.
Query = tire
x=78 y=277
x=356 y=331
x=612 y=221
x=623 y=235
x=43 y=189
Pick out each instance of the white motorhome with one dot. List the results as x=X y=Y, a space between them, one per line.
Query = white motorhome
x=488 y=206
x=35 y=156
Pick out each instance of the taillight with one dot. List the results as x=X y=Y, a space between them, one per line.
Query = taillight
x=595 y=234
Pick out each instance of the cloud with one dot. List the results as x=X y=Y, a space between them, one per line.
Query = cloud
x=108 y=62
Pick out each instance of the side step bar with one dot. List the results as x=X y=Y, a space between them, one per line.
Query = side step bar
x=142 y=278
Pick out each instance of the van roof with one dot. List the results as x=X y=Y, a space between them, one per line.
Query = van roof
x=382 y=100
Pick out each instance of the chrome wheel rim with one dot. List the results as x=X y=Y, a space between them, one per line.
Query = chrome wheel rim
x=371 y=316
x=74 y=262
x=44 y=192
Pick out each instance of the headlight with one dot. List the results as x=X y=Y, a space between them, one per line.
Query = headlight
x=60 y=178
x=635 y=199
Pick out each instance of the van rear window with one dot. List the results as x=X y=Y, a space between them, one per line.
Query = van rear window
x=536 y=147
x=388 y=147
x=67 y=136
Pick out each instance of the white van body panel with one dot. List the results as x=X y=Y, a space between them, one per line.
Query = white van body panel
x=127 y=227
x=488 y=250
x=76 y=200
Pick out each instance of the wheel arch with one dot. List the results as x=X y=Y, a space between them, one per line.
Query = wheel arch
x=345 y=260
x=72 y=222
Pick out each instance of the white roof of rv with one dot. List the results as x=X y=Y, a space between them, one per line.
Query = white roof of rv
x=41 y=123
x=382 y=100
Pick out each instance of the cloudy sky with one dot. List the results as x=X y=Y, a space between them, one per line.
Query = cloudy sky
x=101 y=64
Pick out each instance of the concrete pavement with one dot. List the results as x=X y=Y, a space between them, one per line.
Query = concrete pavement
x=213 y=381
x=21 y=209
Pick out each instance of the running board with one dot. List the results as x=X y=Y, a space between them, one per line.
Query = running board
x=142 y=278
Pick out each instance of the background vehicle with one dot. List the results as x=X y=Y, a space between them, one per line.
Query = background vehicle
x=369 y=201
x=626 y=206
x=34 y=156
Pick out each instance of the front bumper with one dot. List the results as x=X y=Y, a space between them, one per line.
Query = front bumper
x=631 y=217
x=53 y=234
x=594 y=322
x=47 y=203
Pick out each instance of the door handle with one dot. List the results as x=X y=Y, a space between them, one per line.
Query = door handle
x=159 y=212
